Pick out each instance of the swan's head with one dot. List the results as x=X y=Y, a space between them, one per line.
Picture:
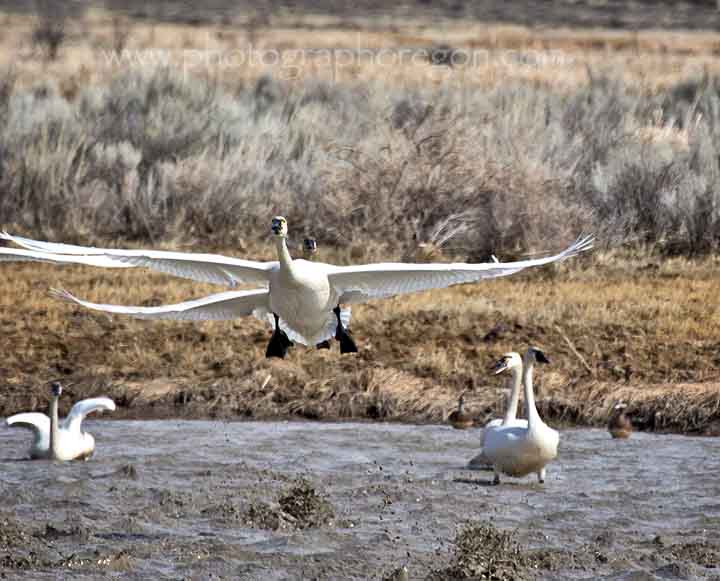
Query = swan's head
x=279 y=226
x=310 y=246
x=56 y=388
x=510 y=360
x=536 y=354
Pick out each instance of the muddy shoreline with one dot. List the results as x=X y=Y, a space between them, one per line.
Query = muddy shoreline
x=689 y=409
x=289 y=500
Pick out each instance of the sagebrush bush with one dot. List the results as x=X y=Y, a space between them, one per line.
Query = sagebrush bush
x=515 y=168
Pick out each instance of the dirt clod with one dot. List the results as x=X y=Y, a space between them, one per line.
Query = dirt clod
x=304 y=504
x=484 y=552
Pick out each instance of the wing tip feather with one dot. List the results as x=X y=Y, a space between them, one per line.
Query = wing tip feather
x=62 y=295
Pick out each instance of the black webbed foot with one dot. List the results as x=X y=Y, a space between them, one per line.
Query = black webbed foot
x=323 y=345
x=347 y=345
x=279 y=342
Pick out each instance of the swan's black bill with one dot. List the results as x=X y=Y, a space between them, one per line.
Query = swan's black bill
x=500 y=365
x=310 y=245
x=56 y=388
x=540 y=357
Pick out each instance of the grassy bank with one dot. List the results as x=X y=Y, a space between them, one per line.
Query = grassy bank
x=613 y=327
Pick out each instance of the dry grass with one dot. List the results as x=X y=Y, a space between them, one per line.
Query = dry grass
x=648 y=336
x=650 y=59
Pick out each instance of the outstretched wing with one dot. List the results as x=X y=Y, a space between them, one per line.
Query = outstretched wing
x=35 y=421
x=20 y=255
x=355 y=284
x=221 y=306
x=212 y=268
x=82 y=408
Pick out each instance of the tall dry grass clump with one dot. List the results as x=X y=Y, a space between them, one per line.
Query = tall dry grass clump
x=156 y=156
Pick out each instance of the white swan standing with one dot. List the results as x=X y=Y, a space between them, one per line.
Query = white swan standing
x=512 y=362
x=302 y=297
x=518 y=451
x=61 y=440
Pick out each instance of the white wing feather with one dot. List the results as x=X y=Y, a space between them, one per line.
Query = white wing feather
x=221 y=306
x=360 y=283
x=82 y=408
x=212 y=268
x=20 y=255
x=35 y=421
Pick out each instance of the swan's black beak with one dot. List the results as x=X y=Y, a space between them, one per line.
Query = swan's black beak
x=310 y=245
x=56 y=388
x=500 y=365
x=540 y=357
x=279 y=225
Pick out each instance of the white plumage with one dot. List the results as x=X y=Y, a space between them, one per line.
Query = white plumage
x=302 y=293
x=72 y=442
x=513 y=363
x=517 y=450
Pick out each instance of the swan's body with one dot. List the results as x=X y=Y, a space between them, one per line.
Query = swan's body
x=515 y=365
x=518 y=451
x=303 y=294
x=459 y=418
x=619 y=425
x=61 y=440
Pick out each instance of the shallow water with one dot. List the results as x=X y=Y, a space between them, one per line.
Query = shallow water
x=164 y=500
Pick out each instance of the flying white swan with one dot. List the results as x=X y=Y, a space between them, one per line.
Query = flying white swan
x=303 y=297
x=347 y=345
x=61 y=440
x=513 y=363
x=310 y=248
x=519 y=451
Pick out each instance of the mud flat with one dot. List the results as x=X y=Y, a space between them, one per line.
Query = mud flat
x=302 y=500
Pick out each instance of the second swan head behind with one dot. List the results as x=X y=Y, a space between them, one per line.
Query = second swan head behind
x=56 y=388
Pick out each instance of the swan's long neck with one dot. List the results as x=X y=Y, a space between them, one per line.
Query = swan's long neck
x=532 y=413
x=286 y=261
x=54 y=428
x=511 y=411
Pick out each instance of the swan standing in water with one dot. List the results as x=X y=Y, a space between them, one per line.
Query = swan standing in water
x=518 y=451
x=513 y=363
x=301 y=298
x=61 y=440
x=459 y=418
x=619 y=425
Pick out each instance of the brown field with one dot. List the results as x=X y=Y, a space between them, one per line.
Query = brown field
x=648 y=58
x=615 y=327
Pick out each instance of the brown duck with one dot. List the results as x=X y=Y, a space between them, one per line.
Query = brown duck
x=459 y=418
x=619 y=424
